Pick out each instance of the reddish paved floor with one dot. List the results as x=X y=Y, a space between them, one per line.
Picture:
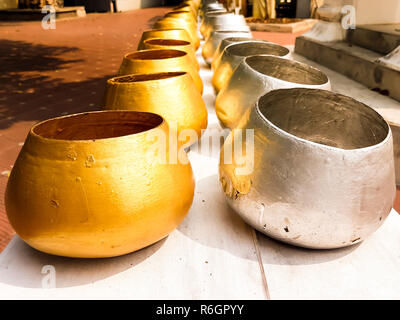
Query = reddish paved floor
x=46 y=73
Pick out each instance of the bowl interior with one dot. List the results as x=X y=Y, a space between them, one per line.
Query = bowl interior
x=235 y=39
x=287 y=70
x=324 y=117
x=167 y=42
x=244 y=49
x=155 y=54
x=97 y=125
x=146 y=77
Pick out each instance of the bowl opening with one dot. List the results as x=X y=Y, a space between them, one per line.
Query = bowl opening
x=218 y=13
x=287 y=70
x=97 y=125
x=155 y=54
x=146 y=77
x=244 y=49
x=168 y=42
x=231 y=31
x=324 y=117
x=180 y=11
x=236 y=39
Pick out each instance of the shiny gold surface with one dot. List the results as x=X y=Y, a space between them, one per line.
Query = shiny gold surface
x=178 y=34
x=172 y=95
x=176 y=23
x=153 y=61
x=173 y=44
x=87 y=185
x=195 y=3
x=181 y=14
x=186 y=7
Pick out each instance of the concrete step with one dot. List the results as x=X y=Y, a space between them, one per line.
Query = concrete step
x=355 y=62
x=380 y=38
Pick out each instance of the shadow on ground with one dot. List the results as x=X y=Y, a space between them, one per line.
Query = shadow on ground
x=31 y=90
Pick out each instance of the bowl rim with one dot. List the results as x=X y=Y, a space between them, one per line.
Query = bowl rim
x=169 y=75
x=181 y=54
x=272 y=44
x=286 y=134
x=290 y=62
x=92 y=140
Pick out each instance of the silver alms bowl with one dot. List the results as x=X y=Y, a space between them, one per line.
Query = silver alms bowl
x=257 y=75
x=234 y=54
x=211 y=44
x=222 y=45
x=320 y=173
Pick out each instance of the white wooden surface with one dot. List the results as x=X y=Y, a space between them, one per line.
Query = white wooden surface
x=214 y=255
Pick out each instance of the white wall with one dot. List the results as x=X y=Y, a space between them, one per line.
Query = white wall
x=377 y=11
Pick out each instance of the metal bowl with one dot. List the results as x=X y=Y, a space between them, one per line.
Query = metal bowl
x=233 y=23
x=159 y=60
x=86 y=185
x=256 y=76
x=213 y=17
x=214 y=6
x=181 y=45
x=222 y=45
x=322 y=174
x=179 y=23
x=234 y=54
x=213 y=41
x=178 y=34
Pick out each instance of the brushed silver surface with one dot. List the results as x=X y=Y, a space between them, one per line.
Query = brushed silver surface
x=257 y=75
x=213 y=41
x=222 y=45
x=234 y=54
x=323 y=172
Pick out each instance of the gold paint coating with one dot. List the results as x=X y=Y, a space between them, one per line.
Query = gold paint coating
x=177 y=23
x=174 y=45
x=153 y=61
x=88 y=185
x=177 y=34
x=172 y=95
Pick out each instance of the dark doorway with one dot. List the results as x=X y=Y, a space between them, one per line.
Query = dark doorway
x=286 y=8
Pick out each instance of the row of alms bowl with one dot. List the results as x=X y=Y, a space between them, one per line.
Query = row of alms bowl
x=92 y=184
x=86 y=186
x=323 y=168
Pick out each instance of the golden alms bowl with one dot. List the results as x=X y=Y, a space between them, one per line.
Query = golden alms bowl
x=177 y=34
x=181 y=14
x=177 y=23
x=181 y=45
x=186 y=7
x=194 y=4
x=91 y=185
x=173 y=95
x=153 y=61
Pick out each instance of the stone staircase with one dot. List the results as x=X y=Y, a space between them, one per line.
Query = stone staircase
x=367 y=54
